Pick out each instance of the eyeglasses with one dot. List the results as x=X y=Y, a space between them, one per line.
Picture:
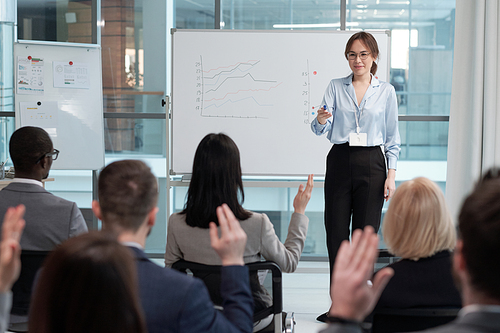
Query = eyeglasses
x=362 y=55
x=54 y=154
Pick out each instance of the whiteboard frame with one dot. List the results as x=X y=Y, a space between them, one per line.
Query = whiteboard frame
x=170 y=144
x=95 y=150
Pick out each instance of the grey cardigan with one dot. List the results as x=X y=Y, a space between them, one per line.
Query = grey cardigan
x=193 y=243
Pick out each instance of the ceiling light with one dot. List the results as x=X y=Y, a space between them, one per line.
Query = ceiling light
x=313 y=25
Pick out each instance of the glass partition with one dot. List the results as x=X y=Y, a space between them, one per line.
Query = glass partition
x=7 y=124
x=298 y=14
x=135 y=47
x=56 y=21
x=423 y=140
x=422 y=35
x=6 y=67
x=7 y=127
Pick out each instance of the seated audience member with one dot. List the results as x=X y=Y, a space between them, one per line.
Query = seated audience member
x=418 y=228
x=475 y=267
x=172 y=301
x=216 y=179
x=50 y=220
x=88 y=284
x=10 y=259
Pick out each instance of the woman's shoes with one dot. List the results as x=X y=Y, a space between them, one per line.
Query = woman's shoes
x=322 y=317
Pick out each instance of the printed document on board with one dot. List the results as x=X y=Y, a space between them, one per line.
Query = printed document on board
x=30 y=76
x=71 y=75
x=40 y=114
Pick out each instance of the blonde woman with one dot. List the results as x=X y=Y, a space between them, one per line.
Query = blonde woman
x=418 y=228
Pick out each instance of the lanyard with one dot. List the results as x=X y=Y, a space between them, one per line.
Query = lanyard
x=356 y=116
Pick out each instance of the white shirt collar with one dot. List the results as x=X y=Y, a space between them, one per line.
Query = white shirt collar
x=479 y=308
x=133 y=244
x=27 y=181
x=374 y=81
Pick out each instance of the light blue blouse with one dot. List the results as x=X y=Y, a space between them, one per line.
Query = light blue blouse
x=377 y=115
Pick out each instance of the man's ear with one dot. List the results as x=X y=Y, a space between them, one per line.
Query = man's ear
x=152 y=216
x=459 y=265
x=45 y=163
x=96 y=208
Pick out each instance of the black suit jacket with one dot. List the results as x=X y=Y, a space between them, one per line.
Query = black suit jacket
x=427 y=282
x=474 y=322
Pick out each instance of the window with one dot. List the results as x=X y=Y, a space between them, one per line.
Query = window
x=422 y=35
x=134 y=36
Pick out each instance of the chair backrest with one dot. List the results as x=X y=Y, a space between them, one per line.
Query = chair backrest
x=210 y=274
x=408 y=320
x=31 y=261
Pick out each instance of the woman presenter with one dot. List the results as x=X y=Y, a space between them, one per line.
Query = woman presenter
x=359 y=114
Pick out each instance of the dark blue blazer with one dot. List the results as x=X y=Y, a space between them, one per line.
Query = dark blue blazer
x=175 y=302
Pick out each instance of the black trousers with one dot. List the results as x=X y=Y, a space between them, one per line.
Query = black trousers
x=354 y=184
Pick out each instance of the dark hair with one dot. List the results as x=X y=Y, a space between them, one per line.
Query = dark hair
x=128 y=191
x=88 y=284
x=216 y=179
x=369 y=41
x=27 y=145
x=479 y=230
x=491 y=174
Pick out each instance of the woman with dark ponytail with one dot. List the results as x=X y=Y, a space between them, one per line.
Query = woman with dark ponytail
x=359 y=113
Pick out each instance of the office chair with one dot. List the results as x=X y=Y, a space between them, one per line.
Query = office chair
x=210 y=274
x=386 y=320
x=31 y=261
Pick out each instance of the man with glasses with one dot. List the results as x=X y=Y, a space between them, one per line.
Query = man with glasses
x=50 y=220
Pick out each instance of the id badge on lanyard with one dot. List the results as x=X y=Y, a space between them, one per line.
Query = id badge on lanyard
x=358 y=139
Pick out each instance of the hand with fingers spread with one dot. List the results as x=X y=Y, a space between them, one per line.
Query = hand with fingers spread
x=231 y=244
x=352 y=297
x=10 y=250
x=303 y=195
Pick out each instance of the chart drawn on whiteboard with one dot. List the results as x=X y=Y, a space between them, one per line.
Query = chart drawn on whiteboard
x=235 y=90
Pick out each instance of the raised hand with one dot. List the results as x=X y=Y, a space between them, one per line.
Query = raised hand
x=303 y=196
x=352 y=297
x=10 y=250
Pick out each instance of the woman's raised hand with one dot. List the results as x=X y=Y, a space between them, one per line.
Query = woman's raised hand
x=303 y=196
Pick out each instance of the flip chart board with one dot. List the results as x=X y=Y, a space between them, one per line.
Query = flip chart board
x=59 y=88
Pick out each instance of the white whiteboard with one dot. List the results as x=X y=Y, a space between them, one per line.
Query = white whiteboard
x=67 y=103
x=262 y=89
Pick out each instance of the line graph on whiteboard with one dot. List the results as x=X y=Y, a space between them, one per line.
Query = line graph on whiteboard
x=235 y=90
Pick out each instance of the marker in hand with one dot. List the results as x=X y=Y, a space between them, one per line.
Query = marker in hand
x=323 y=115
x=326 y=109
